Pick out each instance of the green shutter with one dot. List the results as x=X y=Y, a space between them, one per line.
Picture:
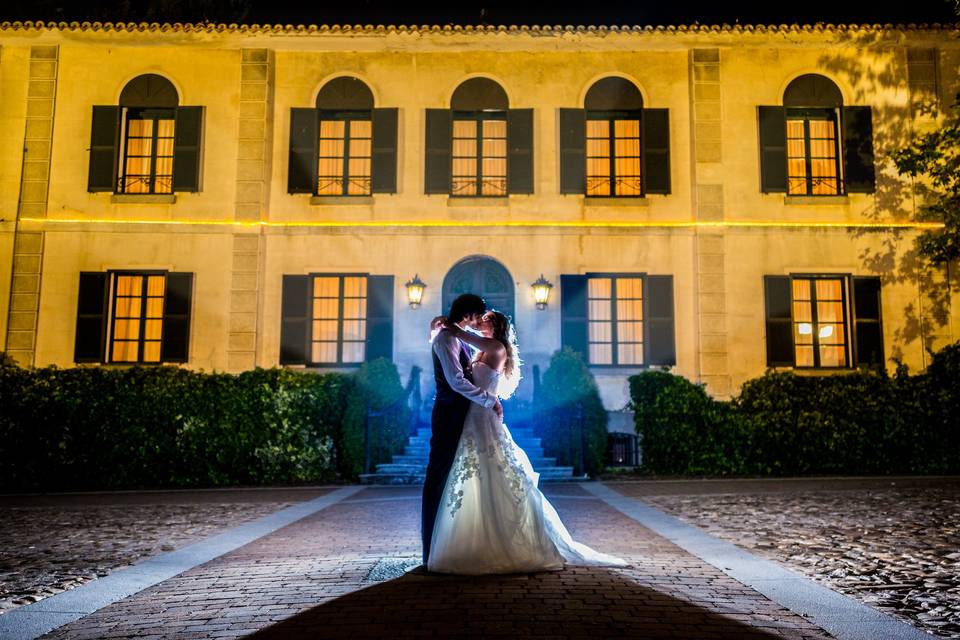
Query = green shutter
x=573 y=151
x=91 y=317
x=656 y=151
x=177 y=299
x=302 y=165
x=439 y=151
x=658 y=320
x=773 y=149
x=858 y=160
x=779 y=318
x=379 y=317
x=520 y=145
x=867 y=326
x=188 y=136
x=294 y=319
x=383 y=173
x=573 y=313
x=104 y=147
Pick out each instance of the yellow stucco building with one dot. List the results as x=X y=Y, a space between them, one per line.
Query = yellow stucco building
x=714 y=199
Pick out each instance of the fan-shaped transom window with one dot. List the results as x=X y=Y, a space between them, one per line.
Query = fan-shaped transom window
x=483 y=276
x=149 y=104
x=345 y=143
x=813 y=105
x=479 y=158
x=614 y=109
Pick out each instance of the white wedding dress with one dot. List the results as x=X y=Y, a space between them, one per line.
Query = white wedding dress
x=492 y=517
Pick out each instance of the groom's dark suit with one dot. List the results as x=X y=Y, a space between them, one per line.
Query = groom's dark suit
x=449 y=413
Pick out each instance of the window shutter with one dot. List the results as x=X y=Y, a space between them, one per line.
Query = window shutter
x=656 y=151
x=573 y=313
x=91 y=317
x=660 y=346
x=177 y=298
x=858 y=150
x=573 y=151
x=439 y=149
x=302 y=165
x=778 y=299
x=104 y=145
x=520 y=154
x=379 y=317
x=383 y=175
x=188 y=135
x=294 y=320
x=773 y=149
x=867 y=329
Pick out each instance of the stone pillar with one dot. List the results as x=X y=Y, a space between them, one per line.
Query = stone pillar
x=710 y=283
x=252 y=196
x=34 y=183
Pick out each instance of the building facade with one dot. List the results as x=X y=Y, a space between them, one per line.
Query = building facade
x=717 y=200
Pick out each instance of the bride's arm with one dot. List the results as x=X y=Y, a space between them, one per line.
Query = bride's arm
x=487 y=345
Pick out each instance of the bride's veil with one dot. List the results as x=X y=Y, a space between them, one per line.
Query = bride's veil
x=507 y=385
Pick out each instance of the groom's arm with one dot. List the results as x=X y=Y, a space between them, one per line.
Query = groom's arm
x=447 y=349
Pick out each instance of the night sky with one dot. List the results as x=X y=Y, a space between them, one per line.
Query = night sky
x=589 y=12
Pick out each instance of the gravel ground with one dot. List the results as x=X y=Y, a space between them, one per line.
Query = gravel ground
x=897 y=549
x=48 y=549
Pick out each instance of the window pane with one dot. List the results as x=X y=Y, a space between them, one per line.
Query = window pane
x=353 y=351
x=629 y=288
x=598 y=128
x=496 y=147
x=326 y=308
x=128 y=329
x=495 y=186
x=494 y=167
x=804 y=355
x=154 y=307
x=801 y=289
x=626 y=128
x=165 y=128
x=152 y=329
x=833 y=356
x=465 y=148
x=155 y=285
x=494 y=128
x=325 y=287
x=325 y=330
x=330 y=167
x=359 y=167
x=629 y=310
x=354 y=330
x=124 y=352
x=464 y=128
x=599 y=310
x=600 y=331
x=629 y=354
x=465 y=167
x=325 y=352
x=360 y=148
x=129 y=285
x=331 y=128
x=829 y=290
x=601 y=354
x=598 y=186
x=598 y=148
x=128 y=307
x=802 y=311
x=627 y=148
x=360 y=128
x=598 y=288
x=354 y=307
x=829 y=312
x=629 y=332
x=151 y=352
x=331 y=149
x=464 y=186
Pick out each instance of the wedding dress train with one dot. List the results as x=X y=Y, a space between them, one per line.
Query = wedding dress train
x=493 y=518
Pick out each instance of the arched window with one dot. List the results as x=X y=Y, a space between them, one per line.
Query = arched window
x=479 y=166
x=613 y=146
x=148 y=103
x=343 y=146
x=345 y=111
x=813 y=105
x=614 y=110
x=148 y=143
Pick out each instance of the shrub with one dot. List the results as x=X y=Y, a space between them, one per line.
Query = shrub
x=570 y=403
x=376 y=388
x=165 y=426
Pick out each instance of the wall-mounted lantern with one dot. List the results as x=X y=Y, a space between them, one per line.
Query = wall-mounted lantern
x=415 y=289
x=541 y=292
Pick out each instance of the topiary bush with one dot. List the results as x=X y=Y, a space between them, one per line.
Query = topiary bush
x=376 y=388
x=569 y=402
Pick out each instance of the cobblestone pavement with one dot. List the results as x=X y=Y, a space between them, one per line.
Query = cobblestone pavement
x=340 y=573
x=51 y=543
x=892 y=544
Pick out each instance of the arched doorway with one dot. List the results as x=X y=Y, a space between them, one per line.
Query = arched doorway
x=483 y=276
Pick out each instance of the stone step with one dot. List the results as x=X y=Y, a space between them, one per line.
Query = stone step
x=538 y=462
x=391 y=478
x=523 y=441
x=517 y=433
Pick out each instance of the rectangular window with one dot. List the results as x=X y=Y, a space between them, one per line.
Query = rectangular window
x=136 y=326
x=479 y=155
x=147 y=146
x=820 y=326
x=338 y=319
x=345 y=148
x=813 y=166
x=614 y=156
x=615 y=319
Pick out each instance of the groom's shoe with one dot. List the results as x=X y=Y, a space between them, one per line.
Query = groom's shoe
x=421 y=570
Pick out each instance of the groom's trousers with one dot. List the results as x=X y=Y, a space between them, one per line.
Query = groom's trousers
x=446 y=426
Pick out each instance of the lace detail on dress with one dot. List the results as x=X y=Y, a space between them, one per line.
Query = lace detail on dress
x=467 y=466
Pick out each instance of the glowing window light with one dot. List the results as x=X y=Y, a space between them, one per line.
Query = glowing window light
x=805 y=328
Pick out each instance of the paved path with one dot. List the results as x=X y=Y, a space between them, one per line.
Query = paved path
x=340 y=572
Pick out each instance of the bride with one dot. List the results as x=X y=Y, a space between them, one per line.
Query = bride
x=493 y=518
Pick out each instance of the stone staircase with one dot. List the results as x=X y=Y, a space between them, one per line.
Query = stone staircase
x=411 y=466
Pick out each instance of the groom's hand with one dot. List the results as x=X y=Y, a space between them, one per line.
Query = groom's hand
x=437 y=323
x=498 y=409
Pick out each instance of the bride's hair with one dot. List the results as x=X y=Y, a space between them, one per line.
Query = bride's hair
x=505 y=333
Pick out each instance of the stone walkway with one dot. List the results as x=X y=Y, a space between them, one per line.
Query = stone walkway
x=340 y=572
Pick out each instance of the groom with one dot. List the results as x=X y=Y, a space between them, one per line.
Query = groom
x=455 y=391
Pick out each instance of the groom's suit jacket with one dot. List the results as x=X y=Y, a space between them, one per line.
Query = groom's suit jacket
x=452 y=373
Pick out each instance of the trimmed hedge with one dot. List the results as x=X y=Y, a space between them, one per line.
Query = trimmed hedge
x=569 y=400
x=863 y=422
x=135 y=427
